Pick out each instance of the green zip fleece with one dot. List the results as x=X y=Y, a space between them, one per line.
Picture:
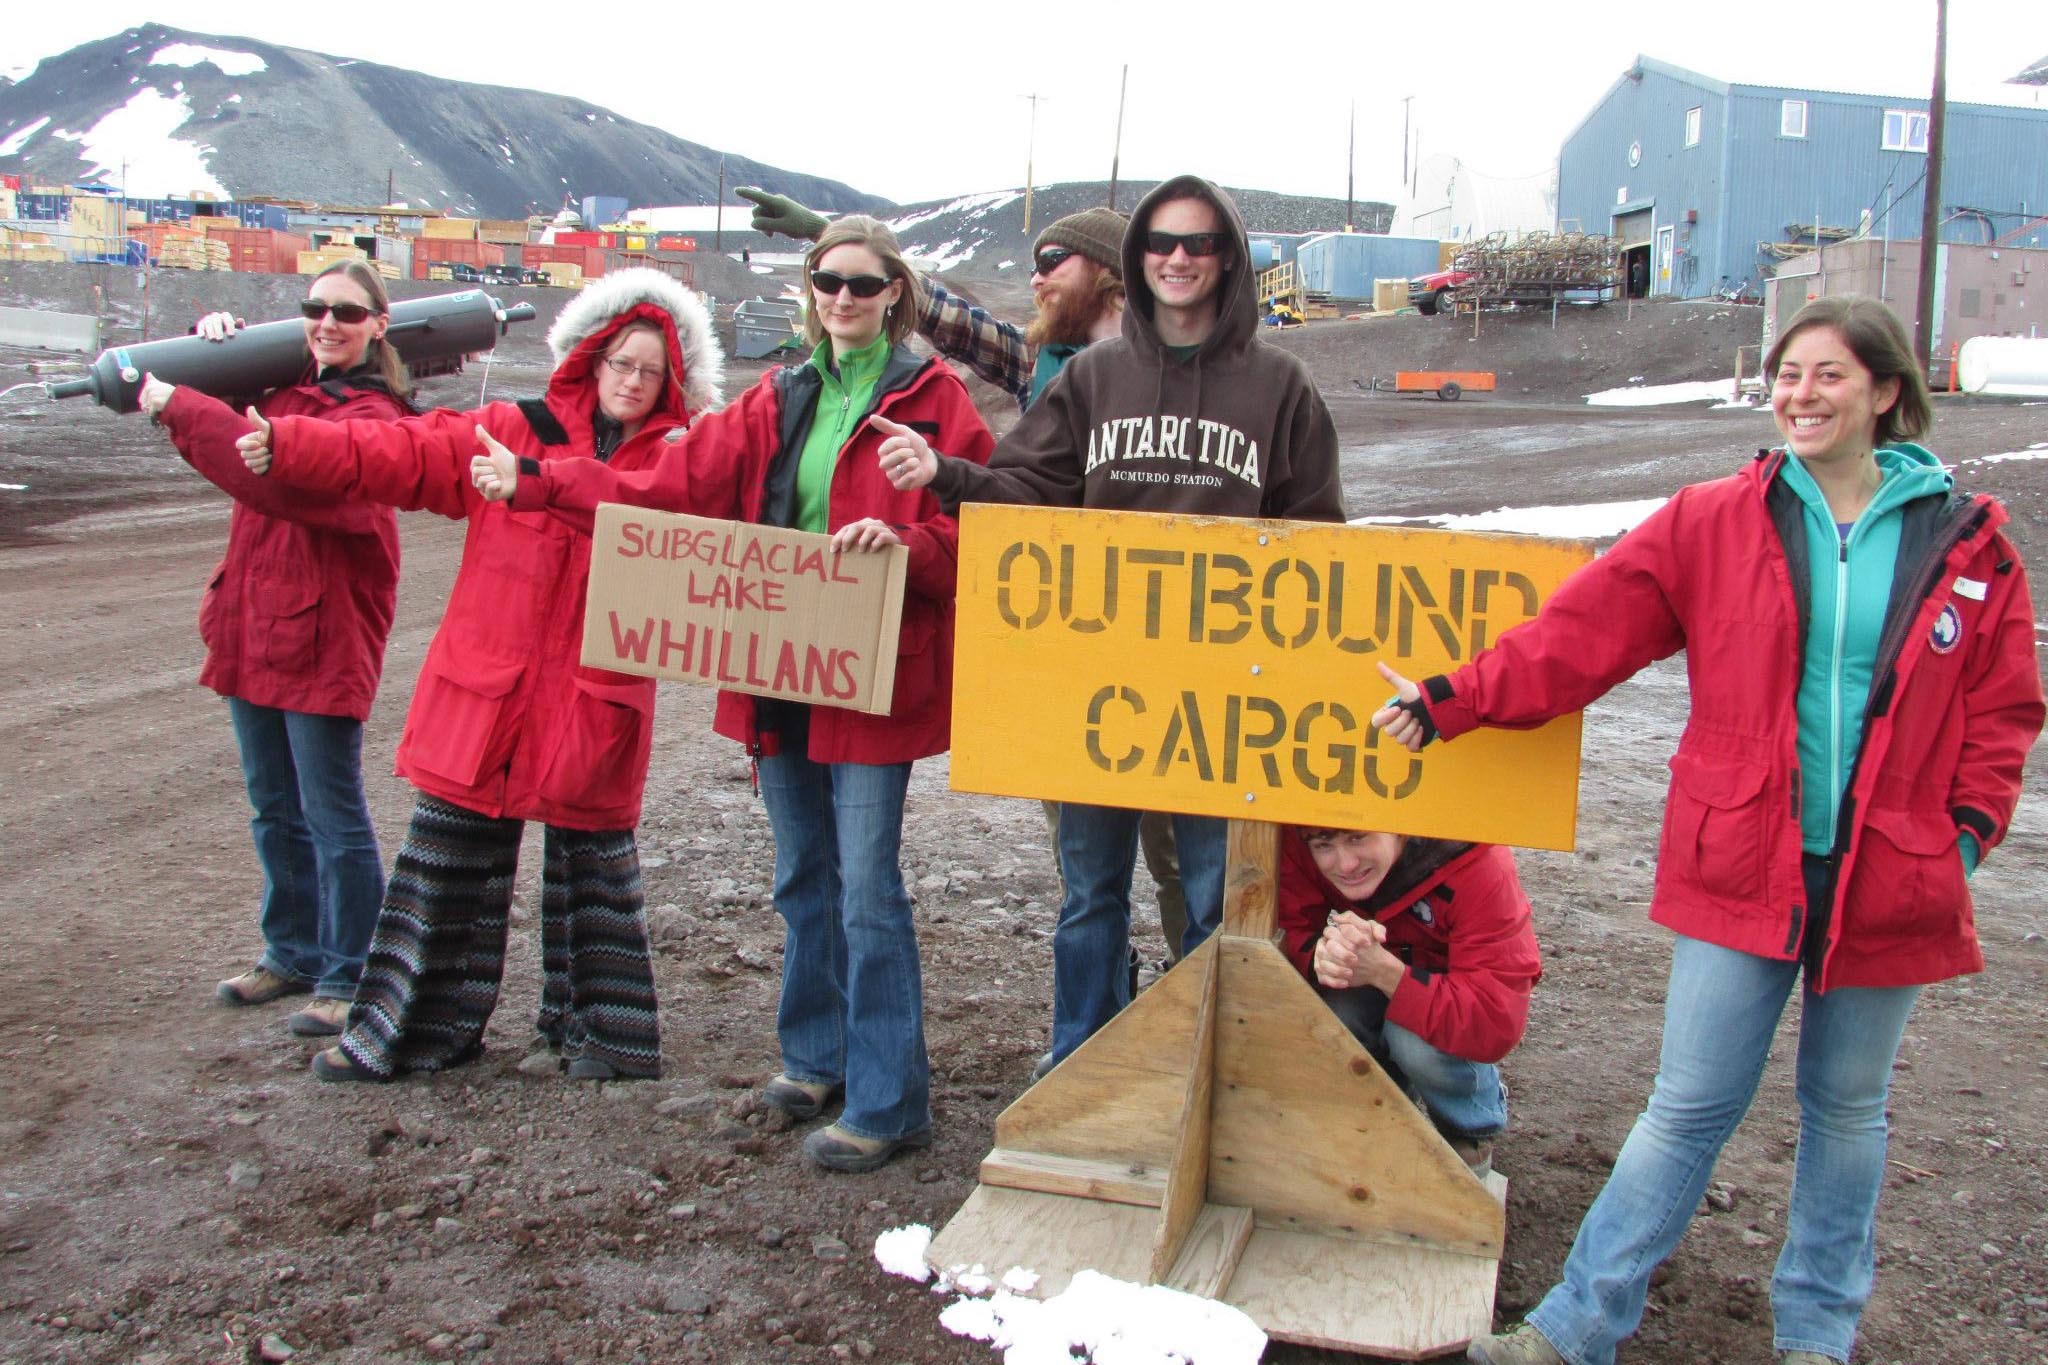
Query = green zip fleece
x=848 y=387
x=1852 y=584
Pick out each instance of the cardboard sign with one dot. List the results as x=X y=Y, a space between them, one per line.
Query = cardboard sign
x=752 y=608
x=1226 y=667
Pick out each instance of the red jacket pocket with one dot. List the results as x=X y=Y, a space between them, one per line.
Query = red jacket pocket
x=1715 y=827
x=285 y=615
x=1908 y=877
x=601 y=761
x=452 y=722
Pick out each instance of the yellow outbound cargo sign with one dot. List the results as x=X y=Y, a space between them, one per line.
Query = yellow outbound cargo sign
x=1225 y=667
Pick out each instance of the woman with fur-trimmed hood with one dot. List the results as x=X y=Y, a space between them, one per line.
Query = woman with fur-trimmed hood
x=506 y=725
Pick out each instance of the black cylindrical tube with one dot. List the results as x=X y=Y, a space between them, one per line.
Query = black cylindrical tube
x=428 y=334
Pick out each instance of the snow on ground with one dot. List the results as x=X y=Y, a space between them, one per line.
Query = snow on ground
x=974 y=205
x=1581 y=521
x=1110 y=1321
x=2036 y=451
x=191 y=54
x=133 y=147
x=1653 y=395
x=19 y=139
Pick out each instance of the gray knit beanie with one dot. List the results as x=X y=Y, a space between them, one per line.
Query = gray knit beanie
x=1097 y=234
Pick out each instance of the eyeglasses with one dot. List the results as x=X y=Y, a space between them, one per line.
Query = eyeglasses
x=625 y=368
x=347 y=313
x=1050 y=259
x=1194 y=243
x=862 y=286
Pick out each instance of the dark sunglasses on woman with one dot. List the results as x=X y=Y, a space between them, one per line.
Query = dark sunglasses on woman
x=1194 y=243
x=347 y=313
x=862 y=286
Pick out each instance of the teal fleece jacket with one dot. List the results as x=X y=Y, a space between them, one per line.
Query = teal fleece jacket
x=1852 y=583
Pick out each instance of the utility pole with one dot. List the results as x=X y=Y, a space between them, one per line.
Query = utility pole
x=718 y=222
x=1406 y=100
x=390 y=185
x=1351 y=168
x=1930 y=210
x=1117 y=149
x=1030 y=147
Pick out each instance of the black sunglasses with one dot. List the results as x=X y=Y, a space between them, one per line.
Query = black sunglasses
x=1051 y=259
x=863 y=286
x=347 y=313
x=1194 y=243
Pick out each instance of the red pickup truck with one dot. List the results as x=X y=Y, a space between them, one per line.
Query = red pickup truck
x=1430 y=294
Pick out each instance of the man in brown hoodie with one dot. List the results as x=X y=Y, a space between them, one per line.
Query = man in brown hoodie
x=1186 y=411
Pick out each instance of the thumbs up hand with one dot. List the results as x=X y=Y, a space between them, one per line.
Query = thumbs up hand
x=255 y=446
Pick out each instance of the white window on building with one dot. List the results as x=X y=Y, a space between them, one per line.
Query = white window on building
x=1692 y=126
x=1905 y=131
x=1792 y=118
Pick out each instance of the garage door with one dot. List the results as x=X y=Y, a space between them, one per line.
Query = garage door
x=1633 y=228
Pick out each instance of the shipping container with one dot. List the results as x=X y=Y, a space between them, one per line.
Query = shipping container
x=395 y=252
x=1344 y=265
x=601 y=209
x=503 y=231
x=449 y=249
x=588 y=259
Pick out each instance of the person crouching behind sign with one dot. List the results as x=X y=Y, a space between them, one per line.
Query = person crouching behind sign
x=799 y=449
x=506 y=725
x=1424 y=949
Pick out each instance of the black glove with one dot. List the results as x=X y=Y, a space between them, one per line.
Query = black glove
x=775 y=213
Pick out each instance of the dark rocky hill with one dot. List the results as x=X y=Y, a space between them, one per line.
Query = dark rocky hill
x=976 y=233
x=313 y=126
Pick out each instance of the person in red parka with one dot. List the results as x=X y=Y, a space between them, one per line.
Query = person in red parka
x=294 y=620
x=506 y=725
x=1864 y=689
x=799 y=450
x=1424 y=948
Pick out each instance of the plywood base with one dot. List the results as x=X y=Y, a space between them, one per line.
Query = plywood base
x=1226 y=1136
x=1406 y=1302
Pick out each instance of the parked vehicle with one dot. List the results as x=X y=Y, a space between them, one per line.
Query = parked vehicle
x=1430 y=294
x=513 y=274
x=465 y=273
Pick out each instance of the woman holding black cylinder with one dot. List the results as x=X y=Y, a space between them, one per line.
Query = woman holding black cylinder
x=294 y=620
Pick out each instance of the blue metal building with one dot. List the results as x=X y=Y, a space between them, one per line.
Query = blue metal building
x=1344 y=264
x=1710 y=184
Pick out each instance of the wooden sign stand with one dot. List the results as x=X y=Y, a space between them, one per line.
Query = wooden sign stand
x=1226 y=1135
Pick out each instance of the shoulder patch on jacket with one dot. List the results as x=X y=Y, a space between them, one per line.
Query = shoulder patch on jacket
x=535 y=411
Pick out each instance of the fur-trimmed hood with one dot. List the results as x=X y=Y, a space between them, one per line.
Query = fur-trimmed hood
x=586 y=325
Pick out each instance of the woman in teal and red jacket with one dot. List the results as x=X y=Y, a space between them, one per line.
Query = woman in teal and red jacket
x=799 y=450
x=506 y=724
x=294 y=619
x=1864 y=689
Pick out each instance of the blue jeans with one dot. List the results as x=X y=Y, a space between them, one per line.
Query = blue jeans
x=852 y=1005
x=1464 y=1099
x=1719 y=1016
x=323 y=878
x=1091 y=947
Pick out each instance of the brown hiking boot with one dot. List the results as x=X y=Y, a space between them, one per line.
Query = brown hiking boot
x=324 y=1018
x=1523 y=1346
x=1476 y=1153
x=258 y=986
x=838 y=1150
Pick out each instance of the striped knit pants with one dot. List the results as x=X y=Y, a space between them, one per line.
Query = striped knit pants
x=438 y=954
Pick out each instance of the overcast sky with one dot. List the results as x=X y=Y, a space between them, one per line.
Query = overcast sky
x=1249 y=94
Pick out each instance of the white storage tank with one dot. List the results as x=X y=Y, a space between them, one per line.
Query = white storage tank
x=2007 y=367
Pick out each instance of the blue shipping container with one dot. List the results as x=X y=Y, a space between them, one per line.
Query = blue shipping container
x=1344 y=264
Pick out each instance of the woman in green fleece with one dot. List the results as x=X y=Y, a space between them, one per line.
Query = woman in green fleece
x=798 y=449
x=1859 y=642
